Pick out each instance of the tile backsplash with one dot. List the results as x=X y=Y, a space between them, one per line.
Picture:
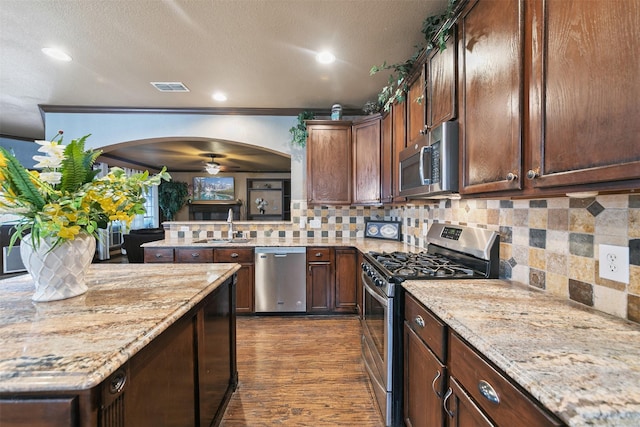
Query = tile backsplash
x=552 y=244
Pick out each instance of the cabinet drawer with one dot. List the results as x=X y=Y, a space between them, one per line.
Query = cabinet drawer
x=186 y=255
x=511 y=406
x=431 y=330
x=158 y=255
x=318 y=254
x=233 y=255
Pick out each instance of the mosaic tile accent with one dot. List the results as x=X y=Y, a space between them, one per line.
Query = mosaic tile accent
x=549 y=243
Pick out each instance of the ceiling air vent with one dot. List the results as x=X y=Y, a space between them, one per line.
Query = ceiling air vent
x=170 y=86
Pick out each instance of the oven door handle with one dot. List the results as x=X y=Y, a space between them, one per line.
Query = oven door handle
x=376 y=296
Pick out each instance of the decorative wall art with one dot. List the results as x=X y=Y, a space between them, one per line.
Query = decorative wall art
x=206 y=188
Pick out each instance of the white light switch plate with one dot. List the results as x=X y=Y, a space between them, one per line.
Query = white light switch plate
x=315 y=223
x=425 y=229
x=614 y=263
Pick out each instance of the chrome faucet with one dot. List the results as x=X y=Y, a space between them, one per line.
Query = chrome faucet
x=230 y=221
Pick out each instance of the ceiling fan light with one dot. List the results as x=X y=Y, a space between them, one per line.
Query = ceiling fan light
x=212 y=168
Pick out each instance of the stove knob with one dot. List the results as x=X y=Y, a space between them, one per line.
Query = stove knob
x=379 y=282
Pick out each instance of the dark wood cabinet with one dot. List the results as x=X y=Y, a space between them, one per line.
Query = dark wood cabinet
x=329 y=162
x=366 y=160
x=416 y=107
x=425 y=375
x=584 y=94
x=320 y=280
x=387 y=166
x=193 y=255
x=441 y=83
x=462 y=410
x=331 y=280
x=490 y=49
x=545 y=101
x=245 y=288
x=493 y=393
x=346 y=262
x=158 y=255
x=399 y=141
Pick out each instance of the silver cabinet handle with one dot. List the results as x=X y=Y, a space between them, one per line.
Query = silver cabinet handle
x=444 y=403
x=419 y=321
x=158 y=255
x=533 y=174
x=195 y=255
x=512 y=176
x=234 y=255
x=488 y=392
x=433 y=384
x=318 y=254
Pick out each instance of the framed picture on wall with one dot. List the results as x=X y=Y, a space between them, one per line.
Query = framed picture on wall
x=213 y=188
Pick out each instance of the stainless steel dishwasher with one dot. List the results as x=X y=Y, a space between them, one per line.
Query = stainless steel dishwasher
x=280 y=279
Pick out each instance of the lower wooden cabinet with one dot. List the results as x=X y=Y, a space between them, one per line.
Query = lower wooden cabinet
x=345 y=281
x=320 y=280
x=245 y=289
x=332 y=280
x=425 y=375
x=477 y=394
x=158 y=255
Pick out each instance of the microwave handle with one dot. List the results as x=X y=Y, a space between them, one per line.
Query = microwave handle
x=422 y=153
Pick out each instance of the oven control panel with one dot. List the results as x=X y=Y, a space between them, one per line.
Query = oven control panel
x=451 y=233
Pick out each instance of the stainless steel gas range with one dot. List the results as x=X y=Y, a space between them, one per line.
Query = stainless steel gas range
x=453 y=252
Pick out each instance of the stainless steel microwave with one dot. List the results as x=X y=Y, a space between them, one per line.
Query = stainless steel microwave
x=430 y=170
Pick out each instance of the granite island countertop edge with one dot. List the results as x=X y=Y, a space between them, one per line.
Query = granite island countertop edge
x=75 y=344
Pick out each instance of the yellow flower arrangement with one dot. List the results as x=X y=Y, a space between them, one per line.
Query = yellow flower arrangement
x=65 y=198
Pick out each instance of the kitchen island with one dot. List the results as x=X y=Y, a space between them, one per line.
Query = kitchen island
x=147 y=345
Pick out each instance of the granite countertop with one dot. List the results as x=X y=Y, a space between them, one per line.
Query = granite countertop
x=362 y=244
x=583 y=365
x=74 y=344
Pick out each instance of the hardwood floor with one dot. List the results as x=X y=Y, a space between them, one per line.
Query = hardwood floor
x=301 y=371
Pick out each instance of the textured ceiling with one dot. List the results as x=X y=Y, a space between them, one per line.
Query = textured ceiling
x=259 y=52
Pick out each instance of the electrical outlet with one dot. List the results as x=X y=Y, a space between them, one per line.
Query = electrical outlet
x=614 y=263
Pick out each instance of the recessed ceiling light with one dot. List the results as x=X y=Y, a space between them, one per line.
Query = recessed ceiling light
x=325 y=57
x=219 y=96
x=56 y=54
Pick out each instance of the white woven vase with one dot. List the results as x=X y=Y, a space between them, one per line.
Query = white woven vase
x=58 y=273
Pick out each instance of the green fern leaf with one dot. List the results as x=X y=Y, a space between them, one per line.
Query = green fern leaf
x=21 y=180
x=77 y=165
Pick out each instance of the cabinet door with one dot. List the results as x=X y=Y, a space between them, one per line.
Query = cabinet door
x=491 y=84
x=416 y=110
x=387 y=158
x=424 y=380
x=345 y=281
x=245 y=286
x=320 y=280
x=366 y=161
x=441 y=84
x=329 y=162
x=462 y=410
x=34 y=412
x=399 y=137
x=585 y=92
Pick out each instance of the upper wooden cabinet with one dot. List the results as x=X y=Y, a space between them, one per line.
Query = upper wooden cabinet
x=366 y=161
x=387 y=167
x=399 y=141
x=490 y=49
x=584 y=92
x=548 y=100
x=416 y=108
x=441 y=90
x=329 y=162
